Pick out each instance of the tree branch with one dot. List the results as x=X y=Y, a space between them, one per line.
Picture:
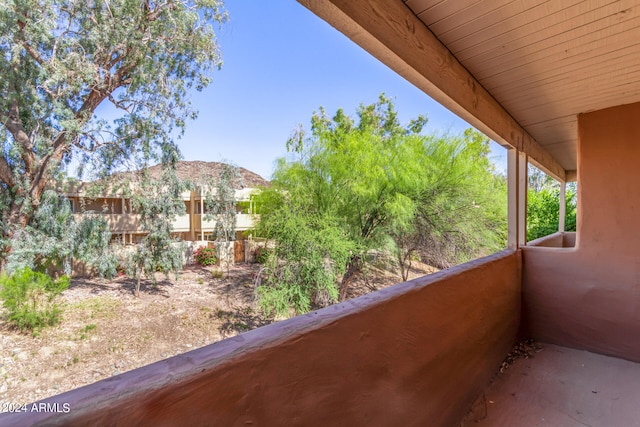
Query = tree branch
x=27 y=46
x=13 y=124
x=5 y=173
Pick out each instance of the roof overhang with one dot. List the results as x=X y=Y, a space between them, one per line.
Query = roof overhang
x=520 y=72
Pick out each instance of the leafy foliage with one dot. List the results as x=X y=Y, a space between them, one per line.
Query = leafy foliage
x=158 y=202
x=543 y=205
x=460 y=205
x=220 y=203
x=300 y=272
x=206 y=256
x=374 y=182
x=54 y=238
x=359 y=172
x=28 y=297
x=63 y=59
x=263 y=254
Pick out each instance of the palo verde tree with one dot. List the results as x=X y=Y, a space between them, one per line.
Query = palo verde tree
x=376 y=184
x=64 y=59
x=460 y=205
x=311 y=250
x=363 y=172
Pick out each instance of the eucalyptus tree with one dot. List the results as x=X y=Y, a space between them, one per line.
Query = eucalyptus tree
x=220 y=203
x=65 y=63
x=54 y=238
x=158 y=203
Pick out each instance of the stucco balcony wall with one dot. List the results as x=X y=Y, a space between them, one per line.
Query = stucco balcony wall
x=181 y=223
x=555 y=240
x=586 y=297
x=118 y=223
x=243 y=222
x=418 y=353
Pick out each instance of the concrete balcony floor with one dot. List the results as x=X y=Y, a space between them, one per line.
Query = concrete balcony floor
x=561 y=387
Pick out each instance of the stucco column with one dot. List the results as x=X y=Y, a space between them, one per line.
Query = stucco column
x=201 y=217
x=517 y=198
x=192 y=211
x=563 y=206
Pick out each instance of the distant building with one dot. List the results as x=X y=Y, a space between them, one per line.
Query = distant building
x=124 y=222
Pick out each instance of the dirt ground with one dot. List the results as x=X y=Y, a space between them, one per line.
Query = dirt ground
x=105 y=330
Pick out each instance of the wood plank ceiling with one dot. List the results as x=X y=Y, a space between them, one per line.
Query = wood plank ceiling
x=544 y=61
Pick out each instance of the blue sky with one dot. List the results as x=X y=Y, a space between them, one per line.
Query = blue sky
x=281 y=63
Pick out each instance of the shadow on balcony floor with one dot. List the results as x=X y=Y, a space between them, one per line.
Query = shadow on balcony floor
x=562 y=387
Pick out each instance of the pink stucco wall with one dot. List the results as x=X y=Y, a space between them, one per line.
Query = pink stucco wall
x=416 y=354
x=555 y=240
x=588 y=297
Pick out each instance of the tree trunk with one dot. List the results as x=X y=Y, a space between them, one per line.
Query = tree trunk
x=19 y=216
x=353 y=267
x=136 y=292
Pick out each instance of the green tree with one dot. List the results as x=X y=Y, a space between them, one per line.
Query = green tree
x=220 y=203
x=543 y=205
x=311 y=251
x=29 y=299
x=460 y=206
x=54 y=238
x=384 y=184
x=363 y=172
x=62 y=60
x=158 y=202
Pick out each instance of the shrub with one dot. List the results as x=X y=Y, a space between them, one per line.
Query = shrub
x=29 y=297
x=262 y=254
x=206 y=256
x=121 y=270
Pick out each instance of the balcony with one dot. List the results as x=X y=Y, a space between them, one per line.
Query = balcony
x=118 y=223
x=181 y=223
x=424 y=348
x=243 y=222
x=425 y=352
x=130 y=223
x=418 y=353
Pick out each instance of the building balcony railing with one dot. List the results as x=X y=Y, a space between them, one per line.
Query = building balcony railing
x=243 y=222
x=130 y=223
x=555 y=240
x=118 y=223
x=418 y=353
x=181 y=223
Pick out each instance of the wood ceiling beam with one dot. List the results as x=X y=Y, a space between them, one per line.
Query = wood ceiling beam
x=392 y=33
